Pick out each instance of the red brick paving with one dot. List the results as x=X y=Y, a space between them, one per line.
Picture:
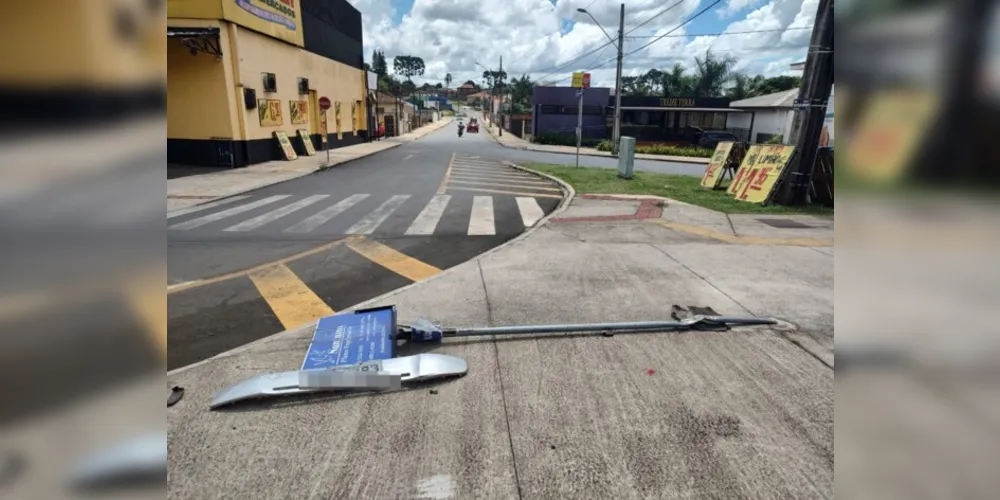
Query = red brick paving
x=648 y=209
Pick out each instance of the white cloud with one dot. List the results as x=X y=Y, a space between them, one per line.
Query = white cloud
x=453 y=35
x=732 y=7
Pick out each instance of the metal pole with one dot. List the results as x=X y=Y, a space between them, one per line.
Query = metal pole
x=579 y=127
x=500 y=106
x=616 y=134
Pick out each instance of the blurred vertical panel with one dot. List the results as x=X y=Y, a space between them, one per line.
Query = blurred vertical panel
x=918 y=230
x=82 y=274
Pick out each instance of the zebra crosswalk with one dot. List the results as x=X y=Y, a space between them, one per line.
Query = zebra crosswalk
x=478 y=175
x=475 y=214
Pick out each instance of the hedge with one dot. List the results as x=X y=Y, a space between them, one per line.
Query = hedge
x=658 y=149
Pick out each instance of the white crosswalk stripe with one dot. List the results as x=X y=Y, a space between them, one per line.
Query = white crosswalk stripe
x=427 y=221
x=208 y=219
x=372 y=221
x=326 y=214
x=530 y=211
x=206 y=206
x=260 y=220
x=481 y=223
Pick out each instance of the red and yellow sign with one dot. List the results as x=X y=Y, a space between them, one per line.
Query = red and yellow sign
x=713 y=173
x=299 y=111
x=741 y=173
x=269 y=111
x=889 y=133
x=286 y=145
x=581 y=80
x=307 y=141
x=766 y=170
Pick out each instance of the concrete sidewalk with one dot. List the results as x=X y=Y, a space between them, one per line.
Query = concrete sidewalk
x=197 y=189
x=514 y=142
x=738 y=414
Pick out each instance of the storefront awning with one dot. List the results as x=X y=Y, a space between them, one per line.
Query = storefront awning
x=198 y=39
x=655 y=108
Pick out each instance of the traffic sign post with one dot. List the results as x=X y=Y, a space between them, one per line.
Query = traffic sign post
x=580 y=81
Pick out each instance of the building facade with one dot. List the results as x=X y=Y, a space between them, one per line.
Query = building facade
x=240 y=70
x=554 y=111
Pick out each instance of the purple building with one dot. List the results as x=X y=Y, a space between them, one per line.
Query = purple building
x=554 y=111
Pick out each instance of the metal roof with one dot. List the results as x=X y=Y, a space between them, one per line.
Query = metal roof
x=783 y=99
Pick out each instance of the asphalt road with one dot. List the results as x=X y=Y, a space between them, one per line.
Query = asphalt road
x=256 y=264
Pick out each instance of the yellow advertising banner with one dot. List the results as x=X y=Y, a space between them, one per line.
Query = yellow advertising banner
x=765 y=173
x=323 y=130
x=269 y=111
x=888 y=134
x=713 y=173
x=581 y=80
x=741 y=174
x=306 y=141
x=286 y=145
x=336 y=119
x=299 y=112
x=354 y=118
x=278 y=18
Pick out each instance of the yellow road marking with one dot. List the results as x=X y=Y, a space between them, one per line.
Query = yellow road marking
x=501 y=184
x=515 y=193
x=290 y=299
x=744 y=240
x=284 y=260
x=447 y=175
x=397 y=262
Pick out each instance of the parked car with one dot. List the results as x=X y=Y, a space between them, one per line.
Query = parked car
x=709 y=139
x=473 y=126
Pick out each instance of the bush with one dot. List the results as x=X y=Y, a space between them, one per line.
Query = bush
x=664 y=150
x=557 y=139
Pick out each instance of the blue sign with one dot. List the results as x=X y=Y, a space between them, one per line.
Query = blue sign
x=352 y=338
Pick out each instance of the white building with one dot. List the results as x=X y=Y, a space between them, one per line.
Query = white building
x=766 y=116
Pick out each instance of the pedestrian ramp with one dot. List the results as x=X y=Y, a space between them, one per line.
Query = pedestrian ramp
x=288 y=215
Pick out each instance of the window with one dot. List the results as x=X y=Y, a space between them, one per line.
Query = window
x=303 y=85
x=269 y=82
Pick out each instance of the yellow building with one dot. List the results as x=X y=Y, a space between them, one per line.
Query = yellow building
x=240 y=70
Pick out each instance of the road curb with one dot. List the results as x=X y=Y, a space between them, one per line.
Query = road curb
x=568 y=194
x=322 y=168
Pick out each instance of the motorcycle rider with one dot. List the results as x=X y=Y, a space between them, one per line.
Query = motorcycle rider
x=461 y=128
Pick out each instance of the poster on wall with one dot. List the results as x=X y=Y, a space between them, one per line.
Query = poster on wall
x=336 y=118
x=299 y=112
x=323 y=130
x=713 y=173
x=269 y=112
x=354 y=118
x=760 y=180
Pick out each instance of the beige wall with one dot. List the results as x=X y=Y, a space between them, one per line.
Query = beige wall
x=200 y=89
x=257 y=54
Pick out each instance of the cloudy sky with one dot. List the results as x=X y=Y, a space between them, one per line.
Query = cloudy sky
x=546 y=38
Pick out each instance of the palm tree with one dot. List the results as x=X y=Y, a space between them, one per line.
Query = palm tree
x=713 y=74
x=676 y=83
x=447 y=81
x=745 y=86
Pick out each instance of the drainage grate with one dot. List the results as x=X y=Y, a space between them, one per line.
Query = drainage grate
x=784 y=223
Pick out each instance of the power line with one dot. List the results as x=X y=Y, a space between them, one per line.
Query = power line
x=679 y=26
x=664 y=11
x=726 y=33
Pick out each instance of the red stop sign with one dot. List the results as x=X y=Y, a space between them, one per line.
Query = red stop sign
x=324 y=103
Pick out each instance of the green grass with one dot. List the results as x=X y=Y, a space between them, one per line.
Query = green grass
x=684 y=188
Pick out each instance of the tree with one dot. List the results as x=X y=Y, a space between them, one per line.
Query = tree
x=520 y=93
x=408 y=66
x=447 y=81
x=744 y=86
x=378 y=64
x=493 y=78
x=713 y=73
x=676 y=83
x=438 y=85
x=778 y=84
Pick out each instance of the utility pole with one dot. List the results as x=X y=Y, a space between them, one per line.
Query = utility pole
x=817 y=81
x=616 y=134
x=500 y=106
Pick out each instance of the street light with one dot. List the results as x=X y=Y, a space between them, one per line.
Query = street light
x=616 y=133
